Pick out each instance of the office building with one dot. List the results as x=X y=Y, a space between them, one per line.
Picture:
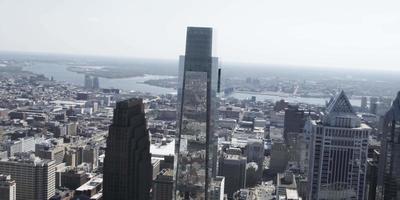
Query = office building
x=90 y=154
x=389 y=162
x=96 y=83
x=364 y=102
x=73 y=178
x=7 y=188
x=233 y=168
x=286 y=186
x=21 y=145
x=372 y=177
x=163 y=185
x=373 y=105
x=338 y=156
x=196 y=152
x=127 y=162
x=279 y=157
x=218 y=188
x=88 y=83
x=293 y=123
x=254 y=151
x=91 y=82
x=50 y=152
x=34 y=177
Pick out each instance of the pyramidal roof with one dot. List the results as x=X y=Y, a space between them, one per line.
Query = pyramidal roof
x=394 y=111
x=340 y=104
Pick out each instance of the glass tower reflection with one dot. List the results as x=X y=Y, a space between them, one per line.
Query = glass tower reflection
x=195 y=165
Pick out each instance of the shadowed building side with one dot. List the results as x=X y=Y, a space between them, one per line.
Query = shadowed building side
x=389 y=164
x=127 y=163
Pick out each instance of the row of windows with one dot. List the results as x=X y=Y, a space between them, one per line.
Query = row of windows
x=346 y=133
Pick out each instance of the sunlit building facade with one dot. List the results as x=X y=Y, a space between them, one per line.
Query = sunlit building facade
x=338 y=154
x=196 y=151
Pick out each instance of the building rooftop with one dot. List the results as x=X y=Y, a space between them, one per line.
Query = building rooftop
x=5 y=180
x=92 y=184
x=286 y=180
x=161 y=150
x=27 y=158
x=291 y=194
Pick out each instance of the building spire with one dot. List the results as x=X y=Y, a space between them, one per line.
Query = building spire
x=340 y=104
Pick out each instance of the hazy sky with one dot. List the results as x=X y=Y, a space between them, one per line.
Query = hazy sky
x=339 y=33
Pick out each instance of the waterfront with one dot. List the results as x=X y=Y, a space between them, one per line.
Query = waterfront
x=60 y=73
x=290 y=99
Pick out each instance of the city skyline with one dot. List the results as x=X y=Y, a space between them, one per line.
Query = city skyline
x=171 y=100
x=357 y=34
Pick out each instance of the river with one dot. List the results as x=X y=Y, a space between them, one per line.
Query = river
x=60 y=73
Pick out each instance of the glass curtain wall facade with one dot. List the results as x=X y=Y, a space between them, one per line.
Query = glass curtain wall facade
x=389 y=164
x=196 y=151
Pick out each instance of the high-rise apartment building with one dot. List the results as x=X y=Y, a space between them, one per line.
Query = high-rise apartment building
x=7 y=188
x=127 y=162
x=196 y=152
x=338 y=154
x=34 y=177
x=389 y=161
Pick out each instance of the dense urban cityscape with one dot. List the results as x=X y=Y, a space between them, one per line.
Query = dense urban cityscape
x=66 y=141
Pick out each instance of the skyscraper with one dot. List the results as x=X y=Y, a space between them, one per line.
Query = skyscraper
x=96 y=84
x=294 y=121
x=127 y=163
x=163 y=185
x=196 y=146
x=233 y=168
x=373 y=105
x=88 y=84
x=338 y=155
x=293 y=129
x=389 y=163
x=364 y=102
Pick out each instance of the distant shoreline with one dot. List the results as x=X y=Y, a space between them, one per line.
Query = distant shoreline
x=104 y=72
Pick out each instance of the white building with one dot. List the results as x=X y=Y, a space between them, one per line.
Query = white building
x=217 y=188
x=338 y=153
x=21 y=145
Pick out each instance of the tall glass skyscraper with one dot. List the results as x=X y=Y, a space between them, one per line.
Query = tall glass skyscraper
x=196 y=149
x=389 y=163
